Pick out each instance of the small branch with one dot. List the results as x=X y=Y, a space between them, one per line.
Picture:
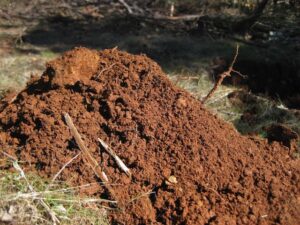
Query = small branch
x=88 y=158
x=239 y=73
x=130 y=11
x=60 y=171
x=191 y=17
x=141 y=195
x=43 y=196
x=116 y=157
x=105 y=69
x=225 y=74
x=172 y=9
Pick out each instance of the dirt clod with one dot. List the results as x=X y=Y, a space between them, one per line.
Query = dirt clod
x=158 y=130
x=283 y=134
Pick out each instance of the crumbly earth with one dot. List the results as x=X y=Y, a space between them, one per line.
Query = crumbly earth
x=159 y=130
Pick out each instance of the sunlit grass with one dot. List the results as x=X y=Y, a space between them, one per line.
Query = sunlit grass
x=20 y=205
x=263 y=110
x=199 y=84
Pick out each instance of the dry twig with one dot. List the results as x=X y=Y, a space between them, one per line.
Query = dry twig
x=172 y=9
x=105 y=69
x=130 y=11
x=88 y=158
x=60 y=171
x=105 y=176
x=141 y=195
x=116 y=157
x=225 y=74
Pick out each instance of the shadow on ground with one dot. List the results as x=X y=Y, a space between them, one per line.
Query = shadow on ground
x=172 y=49
x=272 y=70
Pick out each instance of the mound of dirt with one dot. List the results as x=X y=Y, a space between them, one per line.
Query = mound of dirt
x=199 y=168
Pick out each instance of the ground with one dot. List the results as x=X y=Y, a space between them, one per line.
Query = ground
x=191 y=61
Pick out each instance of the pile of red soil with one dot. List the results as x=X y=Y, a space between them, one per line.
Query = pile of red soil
x=159 y=131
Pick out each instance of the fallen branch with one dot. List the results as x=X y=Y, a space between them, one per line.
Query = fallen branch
x=130 y=11
x=191 y=17
x=225 y=74
x=116 y=157
x=88 y=158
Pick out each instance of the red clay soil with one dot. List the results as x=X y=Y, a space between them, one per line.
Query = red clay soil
x=158 y=130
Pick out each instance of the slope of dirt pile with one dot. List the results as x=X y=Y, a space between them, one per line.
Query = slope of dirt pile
x=159 y=131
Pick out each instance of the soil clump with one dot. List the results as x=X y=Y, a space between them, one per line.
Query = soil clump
x=198 y=168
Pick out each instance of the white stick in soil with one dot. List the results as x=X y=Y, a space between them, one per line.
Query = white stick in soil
x=116 y=157
x=105 y=176
x=87 y=156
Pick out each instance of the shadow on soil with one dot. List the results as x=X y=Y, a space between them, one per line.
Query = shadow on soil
x=272 y=70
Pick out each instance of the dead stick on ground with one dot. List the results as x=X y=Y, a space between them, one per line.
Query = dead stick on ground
x=130 y=11
x=87 y=156
x=105 y=69
x=116 y=157
x=227 y=73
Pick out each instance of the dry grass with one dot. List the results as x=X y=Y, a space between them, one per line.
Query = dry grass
x=263 y=110
x=21 y=196
x=199 y=84
x=16 y=69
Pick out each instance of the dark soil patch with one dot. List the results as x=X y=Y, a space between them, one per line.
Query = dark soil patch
x=278 y=78
x=158 y=130
x=272 y=72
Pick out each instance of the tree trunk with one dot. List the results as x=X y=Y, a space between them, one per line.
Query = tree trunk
x=243 y=25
